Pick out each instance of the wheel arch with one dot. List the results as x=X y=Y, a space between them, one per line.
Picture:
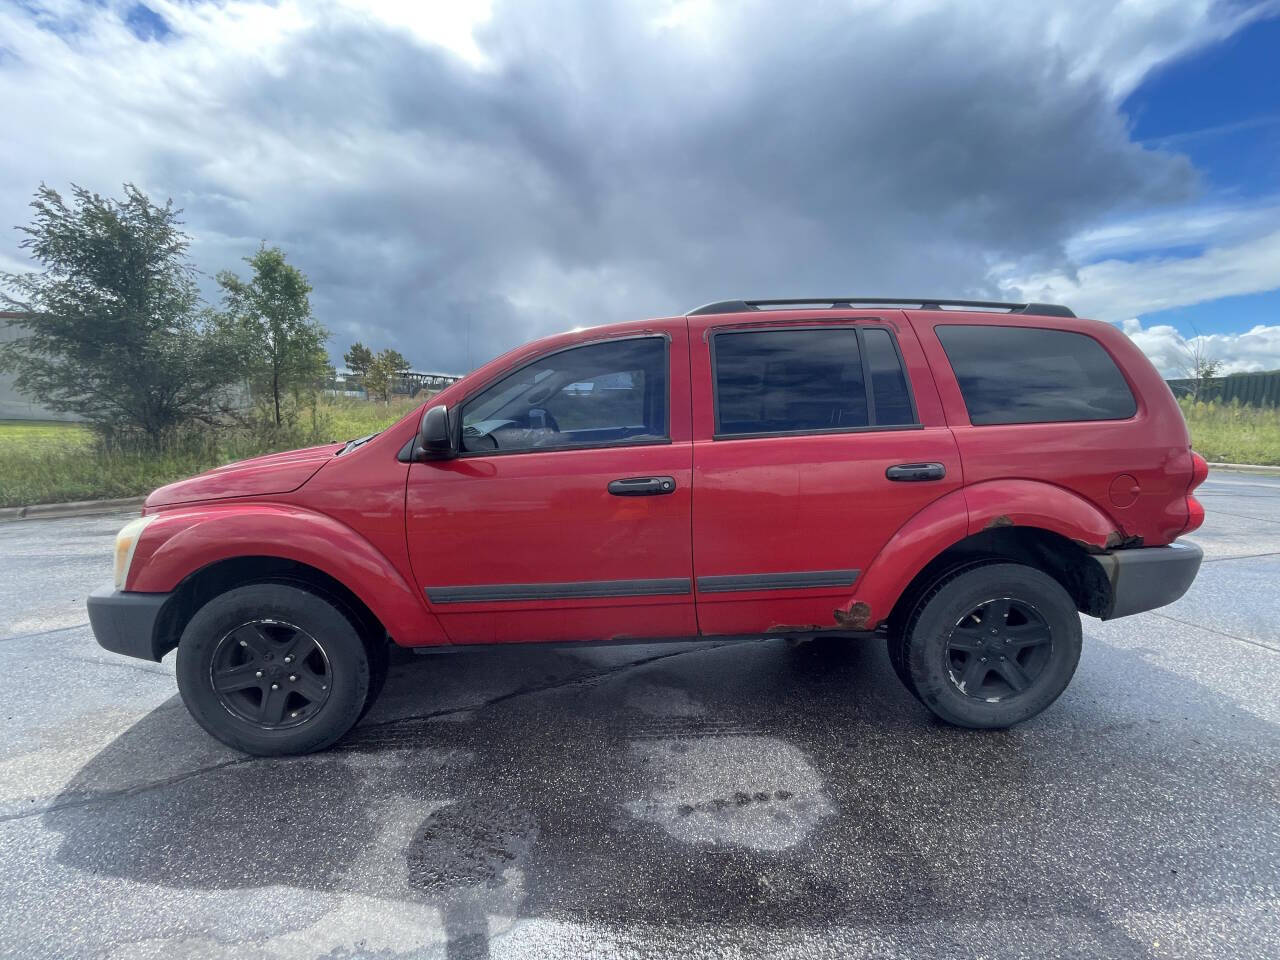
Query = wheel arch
x=189 y=552
x=1039 y=524
x=1058 y=556
x=215 y=579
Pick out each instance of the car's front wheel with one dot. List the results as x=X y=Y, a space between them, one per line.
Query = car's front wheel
x=272 y=669
x=990 y=646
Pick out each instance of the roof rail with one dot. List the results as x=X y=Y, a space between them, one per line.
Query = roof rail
x=921 y=303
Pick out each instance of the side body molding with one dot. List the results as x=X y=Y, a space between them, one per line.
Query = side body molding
x=181 y=542
x=962 y=513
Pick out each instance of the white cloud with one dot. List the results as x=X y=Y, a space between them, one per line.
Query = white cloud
x=506 y=168
x=1169 y=350
x=1116 y=289
x=1202 y=224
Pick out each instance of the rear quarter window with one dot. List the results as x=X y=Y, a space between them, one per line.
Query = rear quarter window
x=1025 y=375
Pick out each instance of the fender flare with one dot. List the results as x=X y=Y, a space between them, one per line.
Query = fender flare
x=960 y=514
x=1034 y=503
x=180 y=543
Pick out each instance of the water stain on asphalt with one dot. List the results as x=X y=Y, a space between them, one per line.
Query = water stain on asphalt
x=758 y=793
x=789 y=788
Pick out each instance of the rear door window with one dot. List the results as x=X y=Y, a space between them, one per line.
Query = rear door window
x=808 y=380
x=1025 y=375
x=889 y=393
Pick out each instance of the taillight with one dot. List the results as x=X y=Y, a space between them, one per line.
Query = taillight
x=1199 y=470
x=1195 y=512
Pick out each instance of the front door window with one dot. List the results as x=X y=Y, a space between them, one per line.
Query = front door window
x=600 y=394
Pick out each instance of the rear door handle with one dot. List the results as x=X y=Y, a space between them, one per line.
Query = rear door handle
x=643 y=486
x=910 y=472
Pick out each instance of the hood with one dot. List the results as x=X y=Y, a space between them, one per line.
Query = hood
x=259 y=476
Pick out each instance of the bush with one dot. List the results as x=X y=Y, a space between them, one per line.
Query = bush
x=1231 y=433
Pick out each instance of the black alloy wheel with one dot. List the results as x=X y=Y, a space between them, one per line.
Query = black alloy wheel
x=275 y=668
x=998 y=649
x=271 y=674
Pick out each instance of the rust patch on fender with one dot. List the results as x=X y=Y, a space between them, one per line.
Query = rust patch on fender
x=1000 y=521
x=855 y=618
x=1116 y=540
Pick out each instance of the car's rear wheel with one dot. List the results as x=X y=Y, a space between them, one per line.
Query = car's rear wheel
x=990 y=646
x=273 y=669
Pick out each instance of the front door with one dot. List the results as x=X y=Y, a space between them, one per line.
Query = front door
x=566 y=515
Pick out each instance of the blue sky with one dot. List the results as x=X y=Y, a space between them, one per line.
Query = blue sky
x=456 y=178
x=1220 y=107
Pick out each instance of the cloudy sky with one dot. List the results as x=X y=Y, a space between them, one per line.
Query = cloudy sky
x=458 y=177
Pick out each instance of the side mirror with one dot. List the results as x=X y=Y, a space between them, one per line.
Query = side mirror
x=435 y=435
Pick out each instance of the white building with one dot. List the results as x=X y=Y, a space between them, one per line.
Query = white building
x=15 y=405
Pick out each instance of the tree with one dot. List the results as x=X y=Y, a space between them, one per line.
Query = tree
x=271 y=314
x=112 y=325
x=358 y=359
x=386 y=368
x=1197 y=366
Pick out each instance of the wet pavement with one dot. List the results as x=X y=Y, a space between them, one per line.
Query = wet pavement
x=746 y=799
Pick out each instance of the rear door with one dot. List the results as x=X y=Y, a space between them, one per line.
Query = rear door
x=566 y=516
x=802 y=432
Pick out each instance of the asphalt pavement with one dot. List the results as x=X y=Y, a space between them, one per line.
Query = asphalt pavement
x=746 y=799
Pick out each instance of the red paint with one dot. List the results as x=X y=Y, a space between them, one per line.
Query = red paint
x=815 y=502
x=1035 y=503
x=547 y=517
x=1124 y=490
x=274 y=473
x=749 y=506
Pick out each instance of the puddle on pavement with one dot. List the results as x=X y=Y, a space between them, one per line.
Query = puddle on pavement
x=760 y=793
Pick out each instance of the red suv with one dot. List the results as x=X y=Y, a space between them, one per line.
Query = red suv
x=959 y=478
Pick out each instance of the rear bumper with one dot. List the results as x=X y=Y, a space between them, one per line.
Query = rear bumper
x=1148 y=577
x=124 y=622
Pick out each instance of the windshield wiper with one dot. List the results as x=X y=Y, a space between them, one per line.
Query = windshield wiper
x=352 y=444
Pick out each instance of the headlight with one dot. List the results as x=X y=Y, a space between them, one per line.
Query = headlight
x=126 y=540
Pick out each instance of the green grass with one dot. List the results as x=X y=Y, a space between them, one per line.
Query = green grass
x=1230 y=433
x=58 y=462
x=21 y=433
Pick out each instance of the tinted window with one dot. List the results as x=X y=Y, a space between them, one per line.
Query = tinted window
x=775 y=381
x=1022 y=375
x=888 y=381
x=602 y=393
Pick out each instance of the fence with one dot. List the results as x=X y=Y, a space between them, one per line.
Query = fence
x=1251 y=389
x=410 y=383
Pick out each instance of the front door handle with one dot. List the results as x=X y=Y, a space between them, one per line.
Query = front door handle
x=910 y=472
x=643 y=486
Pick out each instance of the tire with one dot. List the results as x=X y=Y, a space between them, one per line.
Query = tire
x=991 y=646
x=896 y=643
x=898 y=639
x=378 y=650
x=272 y=669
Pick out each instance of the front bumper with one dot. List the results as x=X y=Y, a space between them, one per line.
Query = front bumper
x=1148 y=577
x=125 y=622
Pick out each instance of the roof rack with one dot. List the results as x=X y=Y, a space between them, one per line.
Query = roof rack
x=921 y=303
